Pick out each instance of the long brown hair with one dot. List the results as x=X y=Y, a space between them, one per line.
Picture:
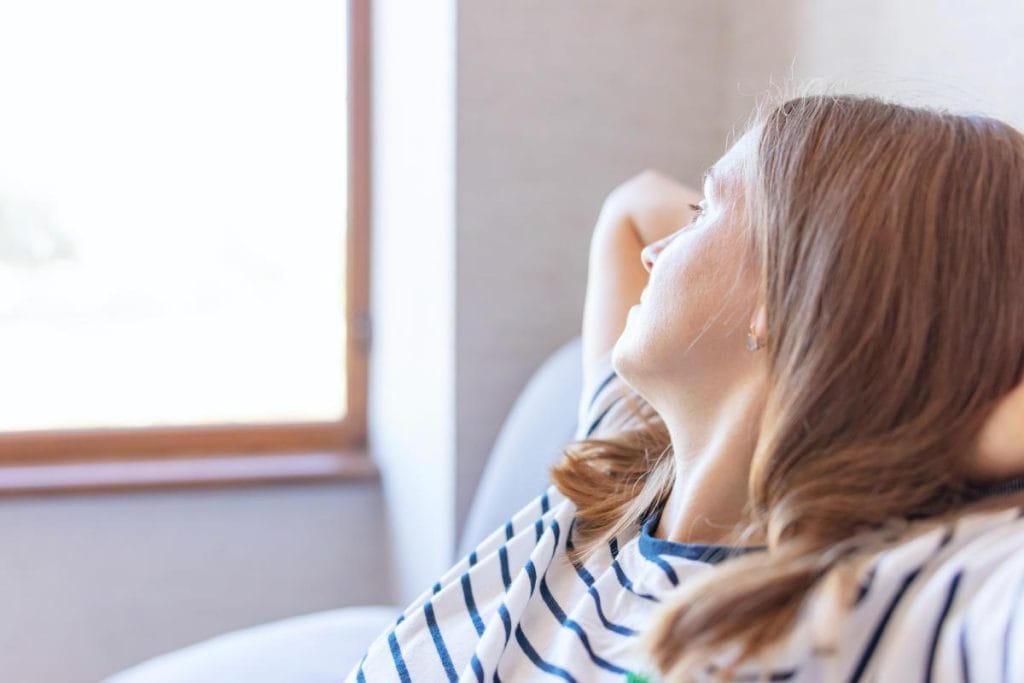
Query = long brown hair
x=890 y=240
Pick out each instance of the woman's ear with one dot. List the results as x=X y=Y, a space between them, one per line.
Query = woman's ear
x=760 y=323
x=1001 y=443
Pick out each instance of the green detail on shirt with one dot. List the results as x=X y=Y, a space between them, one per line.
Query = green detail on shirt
x=632 y=677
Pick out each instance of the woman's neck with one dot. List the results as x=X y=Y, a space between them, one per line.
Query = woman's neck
x=713 y=443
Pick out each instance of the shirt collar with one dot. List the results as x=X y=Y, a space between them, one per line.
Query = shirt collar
x=652 y=547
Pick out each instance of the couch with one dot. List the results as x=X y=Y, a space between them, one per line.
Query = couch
x=324 y=646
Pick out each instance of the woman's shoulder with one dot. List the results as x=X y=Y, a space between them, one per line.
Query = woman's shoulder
x=980 y=547
x=980 y=539
x=942 y=599
x=945 y=598
x=957 y=595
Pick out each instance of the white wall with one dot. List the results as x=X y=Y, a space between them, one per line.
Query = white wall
x=965 y=56
x=91 y=584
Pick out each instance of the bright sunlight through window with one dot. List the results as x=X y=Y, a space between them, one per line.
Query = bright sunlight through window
x=172 y=212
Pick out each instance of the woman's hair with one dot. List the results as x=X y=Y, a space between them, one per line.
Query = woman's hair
x=890 y=243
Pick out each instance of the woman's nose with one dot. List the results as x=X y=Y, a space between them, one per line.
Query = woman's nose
x=651 y=251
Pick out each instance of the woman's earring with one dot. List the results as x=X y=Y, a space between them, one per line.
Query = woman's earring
x=753 y=343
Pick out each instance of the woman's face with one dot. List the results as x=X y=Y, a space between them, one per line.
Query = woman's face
x=691 y=325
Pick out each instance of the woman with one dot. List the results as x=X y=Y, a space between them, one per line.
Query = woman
x=794 y=446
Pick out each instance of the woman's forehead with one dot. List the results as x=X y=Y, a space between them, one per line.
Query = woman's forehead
x=723 y=179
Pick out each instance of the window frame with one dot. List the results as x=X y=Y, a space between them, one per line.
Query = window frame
x=117 y=458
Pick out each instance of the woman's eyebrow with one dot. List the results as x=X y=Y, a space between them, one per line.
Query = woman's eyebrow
x=709 y=175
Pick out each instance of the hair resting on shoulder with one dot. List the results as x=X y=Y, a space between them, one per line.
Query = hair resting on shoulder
x=890 y=240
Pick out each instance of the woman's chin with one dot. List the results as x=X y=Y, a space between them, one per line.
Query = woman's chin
x=624 y=356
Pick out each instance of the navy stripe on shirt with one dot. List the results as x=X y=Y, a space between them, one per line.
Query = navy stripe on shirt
x=536 y=658
x=865 y=585
x=506 y=575
x=360 y=676
x=565 y=621
x=532 y=571
x=946 y=537
x=628 y=585
x=435 y=634
x=588 y=579
x=467 y=594
x=506 y=620
x=556 y=530
x=478 y=669
x=865 y=656
x=950 y=594
x=965 y=669
x=652 y=548
x=669 y=572
x=872 y=643
x=647 y=551
x=596 y=422
x=610 y=625
x=602 y=385
x=396 y=656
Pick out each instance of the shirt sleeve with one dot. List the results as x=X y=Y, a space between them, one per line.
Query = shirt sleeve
x=610 y=406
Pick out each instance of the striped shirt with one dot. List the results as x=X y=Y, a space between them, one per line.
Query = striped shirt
x=943 y=606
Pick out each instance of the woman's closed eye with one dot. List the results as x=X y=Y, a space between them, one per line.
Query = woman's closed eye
x=698 y=209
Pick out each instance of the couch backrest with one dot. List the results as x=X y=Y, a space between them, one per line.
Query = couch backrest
x=542 y=420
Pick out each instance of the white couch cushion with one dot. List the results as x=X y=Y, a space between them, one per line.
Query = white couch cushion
x=313 y=648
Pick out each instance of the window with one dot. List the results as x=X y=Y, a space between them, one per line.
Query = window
x=183 y=208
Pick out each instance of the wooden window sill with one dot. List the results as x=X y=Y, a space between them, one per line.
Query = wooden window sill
x=188 y=472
